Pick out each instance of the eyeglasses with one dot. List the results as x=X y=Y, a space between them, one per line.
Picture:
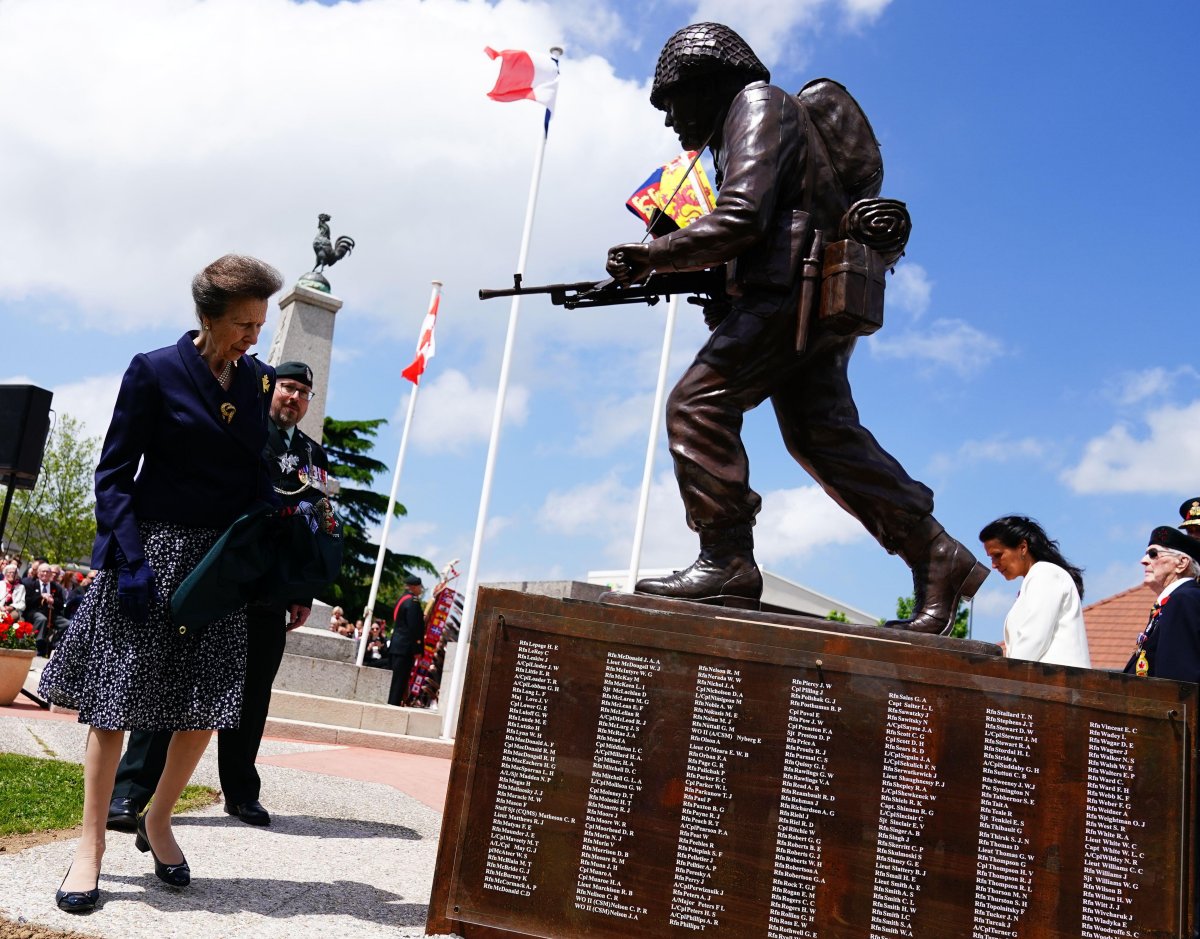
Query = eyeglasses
x=298 y=391
x=1153 y=553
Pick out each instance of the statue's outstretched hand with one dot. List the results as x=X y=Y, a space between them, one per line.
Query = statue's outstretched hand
x=629 y=264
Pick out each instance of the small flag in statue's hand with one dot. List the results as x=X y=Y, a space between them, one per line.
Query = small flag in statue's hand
x=525 y=77
x=693 y=195
x=425 y=347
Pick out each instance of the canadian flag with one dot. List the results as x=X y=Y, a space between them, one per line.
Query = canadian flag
x=425 y=346
x=525 y=77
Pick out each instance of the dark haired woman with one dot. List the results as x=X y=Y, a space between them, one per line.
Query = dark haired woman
x=181 y=461
x=1046 y=622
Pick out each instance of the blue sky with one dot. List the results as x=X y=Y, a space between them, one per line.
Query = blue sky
x=1037 y=353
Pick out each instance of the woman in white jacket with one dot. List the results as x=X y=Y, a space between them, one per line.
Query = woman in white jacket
x=1046 y=622
x=12 y=594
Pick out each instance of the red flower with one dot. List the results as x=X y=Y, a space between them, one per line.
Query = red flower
x=19 y=635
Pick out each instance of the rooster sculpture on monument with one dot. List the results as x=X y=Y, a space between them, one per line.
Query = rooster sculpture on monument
x=328 y=253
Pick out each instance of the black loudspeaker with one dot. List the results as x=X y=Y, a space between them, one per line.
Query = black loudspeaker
x=24 y=424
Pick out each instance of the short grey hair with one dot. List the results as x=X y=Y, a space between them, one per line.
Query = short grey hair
x=1193 y=568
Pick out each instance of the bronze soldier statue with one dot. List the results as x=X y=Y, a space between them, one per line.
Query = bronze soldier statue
x=776 y=189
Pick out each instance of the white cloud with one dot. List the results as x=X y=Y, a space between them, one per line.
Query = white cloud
x=453 y=414
x=766 y=25
x=607 y=510
x=910 y=290
x=90 y=401
x=420 y=538
x=1160 y=457
x=772 y=28
x=574 y=511
x=158 y=139
x=945 y=343
x=1003 y=449
x=993 y=601
x=613 y=422
x=1136 y=387
x=860 y=13
x=794 y=522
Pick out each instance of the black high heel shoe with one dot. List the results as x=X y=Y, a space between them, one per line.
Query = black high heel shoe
x=77 y=901
x=177 y=875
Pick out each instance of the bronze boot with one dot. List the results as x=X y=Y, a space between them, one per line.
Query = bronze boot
x=944 y=572
x=725 y=573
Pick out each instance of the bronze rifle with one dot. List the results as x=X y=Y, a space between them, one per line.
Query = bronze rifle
x=699 y=285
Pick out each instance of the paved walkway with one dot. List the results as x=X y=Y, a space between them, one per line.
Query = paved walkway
x=350 y=851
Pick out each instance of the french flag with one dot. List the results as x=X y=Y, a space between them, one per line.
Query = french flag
x=525 y=77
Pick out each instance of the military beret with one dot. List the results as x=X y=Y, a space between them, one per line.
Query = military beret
x=1173 y=539
x=412 y=580
x=296 y=371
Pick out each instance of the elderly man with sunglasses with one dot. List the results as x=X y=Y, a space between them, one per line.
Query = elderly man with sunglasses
x=1169 y=646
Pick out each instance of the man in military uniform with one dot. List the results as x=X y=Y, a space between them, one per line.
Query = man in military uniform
x=299 y=469
x=1190 y=513
x=1169 y=646
x=777 y=187
x=408 y=634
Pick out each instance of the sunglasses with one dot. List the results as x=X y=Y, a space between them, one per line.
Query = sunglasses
x=1153 y=553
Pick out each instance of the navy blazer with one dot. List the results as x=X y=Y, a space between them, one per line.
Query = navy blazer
x=1173 y=646
x=199 y=448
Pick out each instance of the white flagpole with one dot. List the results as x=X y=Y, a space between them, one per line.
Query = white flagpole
x=639 y=528
x=369 y=611
x=454 y=690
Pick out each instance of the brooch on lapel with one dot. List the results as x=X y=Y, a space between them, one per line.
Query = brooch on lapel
x=266 y=383
x=227 y=411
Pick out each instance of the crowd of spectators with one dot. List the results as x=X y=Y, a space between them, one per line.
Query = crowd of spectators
x=43 y=594
x=376 y=642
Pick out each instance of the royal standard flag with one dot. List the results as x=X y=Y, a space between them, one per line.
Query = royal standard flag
x=682 y=195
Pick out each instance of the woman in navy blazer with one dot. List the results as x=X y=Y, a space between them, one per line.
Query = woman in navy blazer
x=181 y=461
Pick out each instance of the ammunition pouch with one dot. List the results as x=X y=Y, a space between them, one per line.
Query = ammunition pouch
x=851 y=289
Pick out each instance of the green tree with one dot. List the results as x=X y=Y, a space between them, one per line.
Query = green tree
x=837 y=616
x=904 y=610
x=348 y=443
x=56 y=519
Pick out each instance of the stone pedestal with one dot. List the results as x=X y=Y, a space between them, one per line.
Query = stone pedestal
x=633 y=769
x=305 y=334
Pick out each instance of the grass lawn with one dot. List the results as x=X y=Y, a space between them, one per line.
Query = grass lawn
x=47 y=795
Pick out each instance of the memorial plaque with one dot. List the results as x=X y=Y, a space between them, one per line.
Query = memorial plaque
x=625 y=772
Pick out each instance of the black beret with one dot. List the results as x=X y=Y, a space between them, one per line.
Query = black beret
x=1172 y=538
x=1190 y=512
x=296 y=371
x=412 y=580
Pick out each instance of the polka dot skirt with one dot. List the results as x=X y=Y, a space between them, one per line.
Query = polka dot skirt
x=122 y=675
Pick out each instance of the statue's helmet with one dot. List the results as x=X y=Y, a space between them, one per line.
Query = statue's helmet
x=699 y=51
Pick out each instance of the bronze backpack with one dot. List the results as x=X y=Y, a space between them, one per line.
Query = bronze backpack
x=873 y=232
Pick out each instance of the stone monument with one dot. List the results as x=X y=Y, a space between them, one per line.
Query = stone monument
x=305 y=330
